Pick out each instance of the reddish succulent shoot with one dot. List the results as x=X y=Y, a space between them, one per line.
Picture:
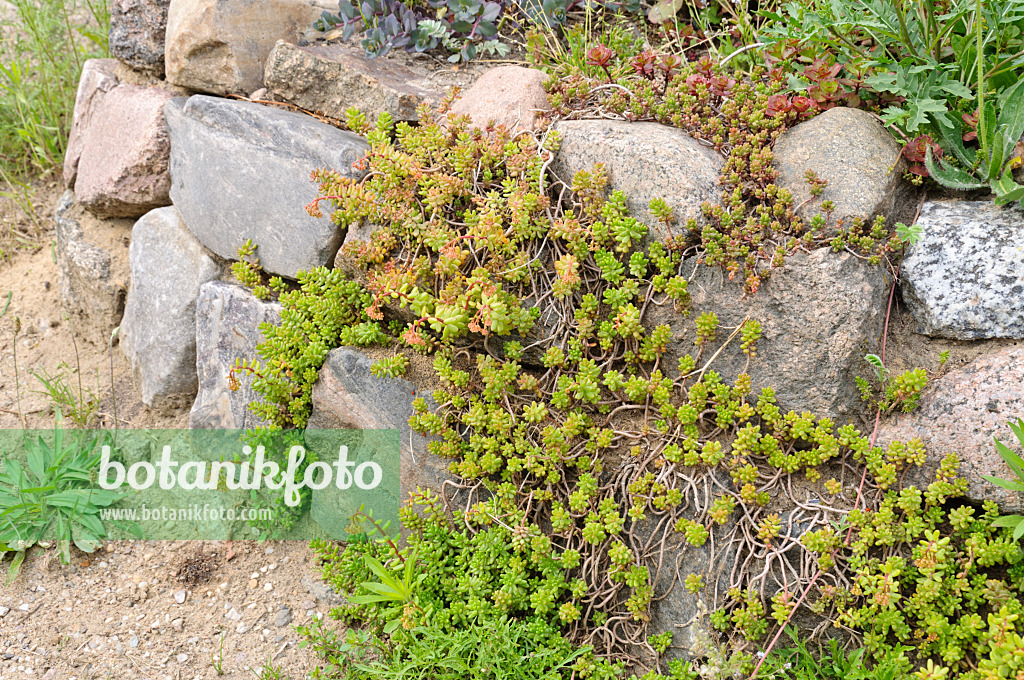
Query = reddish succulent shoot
x=667 y=64
x=971 y=121
x=915 y=153
x=601 y=56
x=778 y=105
x=644 y=64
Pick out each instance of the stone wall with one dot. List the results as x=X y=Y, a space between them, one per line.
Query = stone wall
x=186 y=174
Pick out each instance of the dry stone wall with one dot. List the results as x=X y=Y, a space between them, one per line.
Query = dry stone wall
x=204 y=173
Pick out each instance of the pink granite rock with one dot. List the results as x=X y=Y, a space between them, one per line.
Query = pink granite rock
x=961 y=413
x=506 y=95
x=123 y=168
x=97 y=79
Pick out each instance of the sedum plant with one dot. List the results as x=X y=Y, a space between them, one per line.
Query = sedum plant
x=324 y=311
x=755 y=226
x=581 y=454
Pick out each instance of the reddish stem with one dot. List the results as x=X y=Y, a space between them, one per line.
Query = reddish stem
x=860 y=489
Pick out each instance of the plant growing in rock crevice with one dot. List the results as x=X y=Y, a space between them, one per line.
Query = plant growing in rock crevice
x=583 y=455
x=324 y=311
x=741 y=116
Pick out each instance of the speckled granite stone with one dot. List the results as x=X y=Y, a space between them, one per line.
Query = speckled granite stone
x=961 y=413
x=965 y=278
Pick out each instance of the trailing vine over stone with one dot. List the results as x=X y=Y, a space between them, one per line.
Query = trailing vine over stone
x=584 y=459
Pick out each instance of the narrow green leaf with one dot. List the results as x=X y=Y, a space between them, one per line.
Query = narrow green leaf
x=12 y=571
x=382 y=589
x=368 y=599
x=1005 y=483
x=1011 y=113
x=948 y=176
x=1010 y=196
x=996 y=154
x=1012 y=460
x=1008 y=521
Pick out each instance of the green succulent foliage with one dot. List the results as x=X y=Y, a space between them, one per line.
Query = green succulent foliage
x=53 y=496
x=467 y=240
x=1015 y=523
x=451 y=583
x=894 y=391
x=390 y=367
x=953 y=596
x=741 y=115
x=322 y=311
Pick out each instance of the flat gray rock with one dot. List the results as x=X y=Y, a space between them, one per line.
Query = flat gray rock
x=646 y=161
x=158 y=333
x=228 y=319
x=859 y=158
x=242 y=171
x=820 y=314
x=675 y=608
x=328 y=79
x=965 y=278
x=347 y=396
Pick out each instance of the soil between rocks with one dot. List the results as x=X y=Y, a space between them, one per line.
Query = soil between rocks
x=119 y=612
x=46 y=346
x=114 y=613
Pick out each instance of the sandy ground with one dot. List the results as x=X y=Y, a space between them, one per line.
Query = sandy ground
x=45 y=345
x=125 y=612
x=117 y=613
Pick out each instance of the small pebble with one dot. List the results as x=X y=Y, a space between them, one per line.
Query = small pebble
x=283 y=617
x=268 y=587
x=253 y=583
x=182 y=658
x=179 y=597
